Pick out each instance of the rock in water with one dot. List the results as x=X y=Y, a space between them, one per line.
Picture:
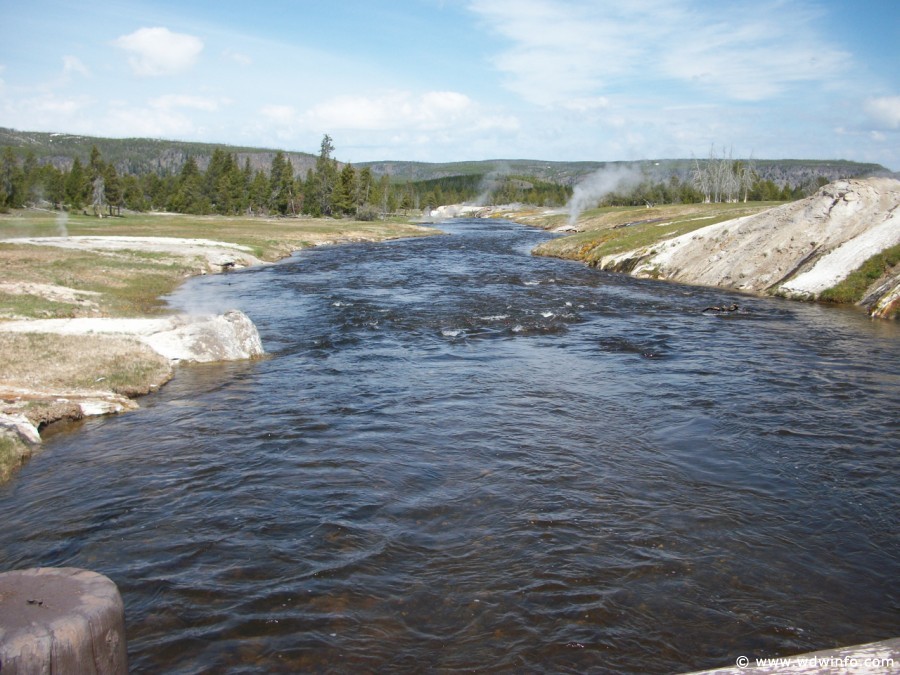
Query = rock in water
x=226 y=337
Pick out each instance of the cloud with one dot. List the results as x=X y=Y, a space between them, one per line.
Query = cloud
x=237 y=57
x=73 y=65
x=280 y=114
x=405 y=111
x=159 y=51
x=559 y=50
x=884 y=112
x=172 y=101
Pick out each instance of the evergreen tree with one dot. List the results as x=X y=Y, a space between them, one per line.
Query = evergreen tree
x=54 y=186
x=113 y=189
x=281 y=181
x=133 y=194
x=364 y=187
x=189 y=197
x=259 y=193
x=75 y=185
x=31 y=179
x=312 y=204
x=12 y=182
x=344 y=195
x=326 y=173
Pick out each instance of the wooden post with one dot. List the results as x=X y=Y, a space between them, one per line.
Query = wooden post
x=61 y=620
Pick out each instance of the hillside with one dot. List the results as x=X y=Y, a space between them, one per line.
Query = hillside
x=794 y=172
x=137 y=156
x=144 y=155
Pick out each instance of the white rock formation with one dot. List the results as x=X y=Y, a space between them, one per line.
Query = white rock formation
x=798 y=249
x=226 y=337
x=219 y=255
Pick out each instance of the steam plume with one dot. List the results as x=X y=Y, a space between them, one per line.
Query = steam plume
x=61 y=219
x=597 y=185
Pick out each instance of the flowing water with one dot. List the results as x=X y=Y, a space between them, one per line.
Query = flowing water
x=462 y=458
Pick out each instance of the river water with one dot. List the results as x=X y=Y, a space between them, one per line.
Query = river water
x=459 y=457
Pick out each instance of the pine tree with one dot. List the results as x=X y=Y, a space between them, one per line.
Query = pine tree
x=344 y=196
x=75 y=183
x=12 y=180
x=327 y=173
x=113 y=189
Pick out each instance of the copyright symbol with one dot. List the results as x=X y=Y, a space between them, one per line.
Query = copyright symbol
x=742 y=662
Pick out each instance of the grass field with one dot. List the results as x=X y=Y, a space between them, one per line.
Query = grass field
x=612 y=230
x=130 y=283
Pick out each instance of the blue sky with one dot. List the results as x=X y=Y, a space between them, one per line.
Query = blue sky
x=448 y=80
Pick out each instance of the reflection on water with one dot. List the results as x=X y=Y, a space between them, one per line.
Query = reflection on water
x=460 y=457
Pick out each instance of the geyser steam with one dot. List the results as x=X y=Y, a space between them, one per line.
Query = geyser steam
x=597 y=185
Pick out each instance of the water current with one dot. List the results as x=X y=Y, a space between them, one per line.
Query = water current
x=460 y=457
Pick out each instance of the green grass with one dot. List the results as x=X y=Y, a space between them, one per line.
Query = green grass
x=610 y=233
x=13 y=453
x=35 y=307
x=854 y=287
x=269 y=238
x=131 y=282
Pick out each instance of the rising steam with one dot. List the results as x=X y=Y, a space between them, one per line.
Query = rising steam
x=588 y=193
x=61 y=219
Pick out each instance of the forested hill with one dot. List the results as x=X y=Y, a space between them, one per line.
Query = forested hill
x=135 y=156
x=793 y=172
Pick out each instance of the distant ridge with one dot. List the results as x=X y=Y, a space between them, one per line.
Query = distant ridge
x=146 y=155
x=138 y=155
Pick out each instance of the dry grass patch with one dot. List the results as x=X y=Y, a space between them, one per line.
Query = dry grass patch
x=120 y=283
x=45 y=362
x=615 y=230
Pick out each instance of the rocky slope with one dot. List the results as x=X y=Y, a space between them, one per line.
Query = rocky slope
x=797 y=250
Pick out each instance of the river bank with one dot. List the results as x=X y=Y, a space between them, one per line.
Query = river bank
x=83 y=327
x=842 y=244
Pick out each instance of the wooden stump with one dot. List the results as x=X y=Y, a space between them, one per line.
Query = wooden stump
x=61 y=620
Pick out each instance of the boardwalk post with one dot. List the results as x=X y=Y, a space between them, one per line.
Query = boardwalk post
x=61 y=620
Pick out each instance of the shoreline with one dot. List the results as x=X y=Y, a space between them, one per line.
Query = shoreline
x=65 y=369
x=839 y=246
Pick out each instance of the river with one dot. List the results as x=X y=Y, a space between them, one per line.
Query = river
x=460 y=457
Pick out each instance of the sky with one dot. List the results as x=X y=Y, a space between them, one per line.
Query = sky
x=455 y=80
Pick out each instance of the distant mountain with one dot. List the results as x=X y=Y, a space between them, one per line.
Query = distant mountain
x=780 y=171
x=143 y=155
x=138 y=155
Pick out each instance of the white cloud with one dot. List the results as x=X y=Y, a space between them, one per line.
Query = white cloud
x=144 y=121
x=280 y=114
x=238 y=57
x=884 y=111
x=159 y=51
x=560 y=50
x=171 y=101
x=405 y=111
x=73 y=65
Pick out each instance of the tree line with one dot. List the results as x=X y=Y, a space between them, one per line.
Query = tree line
x=330 y=189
